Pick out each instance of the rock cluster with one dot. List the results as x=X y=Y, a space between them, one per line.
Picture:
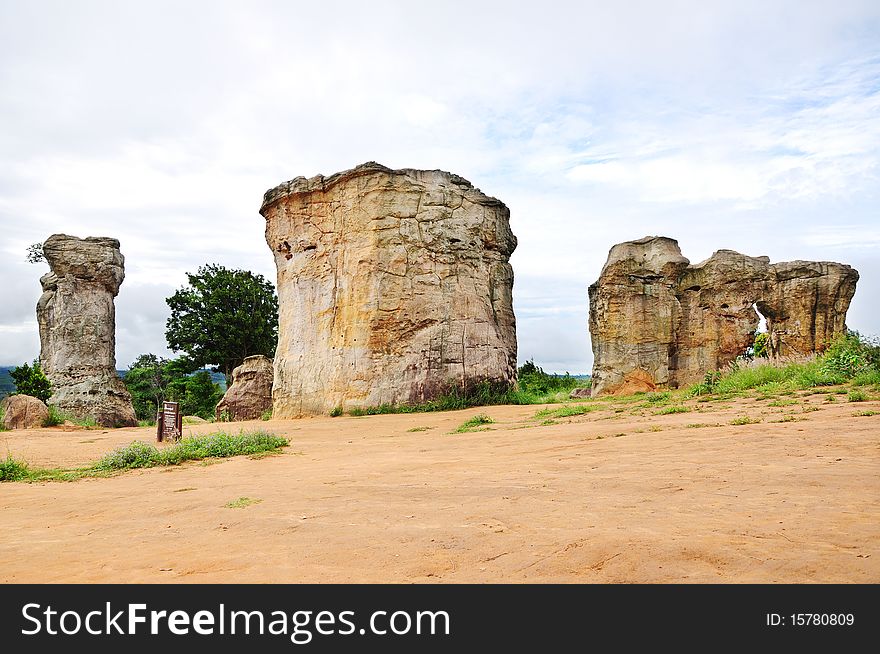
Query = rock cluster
x=77 y=321
x=394 y=287
x=250 y=394
x=23 y=412
x=656 y=321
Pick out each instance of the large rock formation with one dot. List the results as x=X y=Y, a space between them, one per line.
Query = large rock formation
x=250 y=394
x=394 y=287
x=23 y=412
x=77 y=322
x=657 y=321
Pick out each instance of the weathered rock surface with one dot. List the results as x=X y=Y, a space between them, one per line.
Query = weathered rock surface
x=578 y=393
x=23 y=412
x=250 y=394
x=77 y=321
x=394 y=287
x=657 y=321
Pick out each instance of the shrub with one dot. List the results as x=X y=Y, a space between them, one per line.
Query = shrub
x=857 y=396
x=336 y=411
x=534 y=381
x=12 y=470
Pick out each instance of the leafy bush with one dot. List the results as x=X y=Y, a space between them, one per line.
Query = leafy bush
x=55 y=417
x=12 y=470
x=849 y=356
x=534 y=381
x=30 y=380
x=857 y=396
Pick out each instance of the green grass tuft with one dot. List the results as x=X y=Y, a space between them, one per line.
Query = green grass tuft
x=242 y=502
x=676 y=408
x=857 y=395
x=472 y=423
x=745 y=420
x=569 y=410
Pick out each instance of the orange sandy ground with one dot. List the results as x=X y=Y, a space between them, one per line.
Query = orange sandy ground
x=606 y=497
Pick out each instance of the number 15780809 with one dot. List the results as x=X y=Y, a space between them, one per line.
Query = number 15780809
x=811 y=620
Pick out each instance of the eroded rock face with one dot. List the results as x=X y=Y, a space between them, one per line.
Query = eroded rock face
x=656 y=321
x=77 y=321
x=250 y=394
x=23 y=412
x=393 y=285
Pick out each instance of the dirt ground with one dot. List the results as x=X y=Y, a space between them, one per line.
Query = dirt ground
x=618 y=495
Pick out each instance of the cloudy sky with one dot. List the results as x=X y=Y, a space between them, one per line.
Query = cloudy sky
x=746 y=125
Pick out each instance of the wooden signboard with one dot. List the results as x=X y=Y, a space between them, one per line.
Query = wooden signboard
x=169 y=423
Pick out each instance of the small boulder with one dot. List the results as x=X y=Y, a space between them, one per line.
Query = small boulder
x=250 y=394
x=23 y=412
x=579 y=393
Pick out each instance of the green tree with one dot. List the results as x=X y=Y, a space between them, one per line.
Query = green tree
x=200 y=395
x=152 y=380
x=223 y=316
x=146 y=382
x=30 y=380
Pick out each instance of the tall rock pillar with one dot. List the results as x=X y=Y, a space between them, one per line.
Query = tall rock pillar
x=394 y=287
x=77 y=321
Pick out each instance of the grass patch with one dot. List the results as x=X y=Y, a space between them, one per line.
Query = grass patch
x=143 y=455
x=58 y=417
x=869 y=377
x=782 y=402
x=745 y=420
x=702 y=425
x=336 y=411
x=790 y=419
x=865 y=414
x=242 y=502
x=676 y=408
x=217 y=445
x=471 y=424
x=567 y=411
x=55 y=418
x=415 y=429
x=856 y=395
